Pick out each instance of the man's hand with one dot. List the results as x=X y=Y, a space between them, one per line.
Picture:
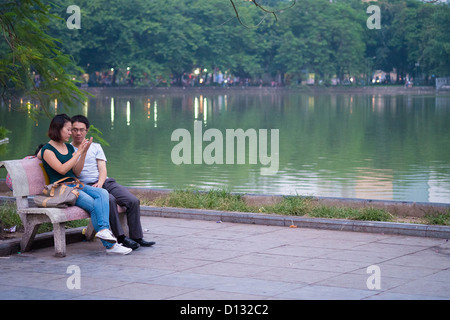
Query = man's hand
x=97 y=185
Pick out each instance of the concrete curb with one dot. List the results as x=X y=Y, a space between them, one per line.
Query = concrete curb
x=42 y=240
x=408 y=229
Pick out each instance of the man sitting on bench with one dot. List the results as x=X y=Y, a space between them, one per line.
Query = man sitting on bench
x=95 y=173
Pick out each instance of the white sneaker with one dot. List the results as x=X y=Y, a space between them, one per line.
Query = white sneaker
x=106 y=234
x=118 y=249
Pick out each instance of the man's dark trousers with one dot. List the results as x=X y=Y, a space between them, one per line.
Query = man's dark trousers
x=120 y=195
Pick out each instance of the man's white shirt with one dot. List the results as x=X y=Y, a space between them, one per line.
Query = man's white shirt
x=89 y=174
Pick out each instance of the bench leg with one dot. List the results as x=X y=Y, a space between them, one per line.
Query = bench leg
x=59 y=235
x=31 y=228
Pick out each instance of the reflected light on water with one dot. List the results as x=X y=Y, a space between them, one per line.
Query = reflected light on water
x=112 y=113
x=155 y=114
x=128 y=113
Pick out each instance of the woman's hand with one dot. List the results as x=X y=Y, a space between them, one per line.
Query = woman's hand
x=84 y=146
x=82 y=150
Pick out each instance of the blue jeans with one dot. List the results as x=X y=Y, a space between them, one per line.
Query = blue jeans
x=96 y=202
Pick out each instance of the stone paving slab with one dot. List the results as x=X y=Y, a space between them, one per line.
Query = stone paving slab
x=207 y=260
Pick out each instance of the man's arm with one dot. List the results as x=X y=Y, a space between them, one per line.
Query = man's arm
x=102 y=173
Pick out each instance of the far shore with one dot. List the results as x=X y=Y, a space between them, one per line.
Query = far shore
x=376 y=89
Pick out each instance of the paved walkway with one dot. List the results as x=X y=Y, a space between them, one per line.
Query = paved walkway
x=203 y=260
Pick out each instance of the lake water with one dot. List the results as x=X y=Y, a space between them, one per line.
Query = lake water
x=390 y=147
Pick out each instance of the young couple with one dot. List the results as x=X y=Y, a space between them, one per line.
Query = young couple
x=100 y=195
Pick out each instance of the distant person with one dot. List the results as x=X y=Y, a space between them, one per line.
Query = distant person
x=61 y=160
x=94 y=173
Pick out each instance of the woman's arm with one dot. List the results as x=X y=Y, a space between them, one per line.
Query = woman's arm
x=79 y=164
x=63 y=168
x=55 y=164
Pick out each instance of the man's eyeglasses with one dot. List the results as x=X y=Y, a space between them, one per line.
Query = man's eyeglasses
x=75 y=130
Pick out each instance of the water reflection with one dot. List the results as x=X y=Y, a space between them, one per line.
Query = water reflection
x=340 y=145
x=155 y=114
x=112 y=114
x=128 y=113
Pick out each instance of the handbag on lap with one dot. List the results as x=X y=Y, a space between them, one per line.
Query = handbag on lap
x=59 y=194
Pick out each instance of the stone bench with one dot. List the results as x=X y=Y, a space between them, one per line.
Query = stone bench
x=28 y=179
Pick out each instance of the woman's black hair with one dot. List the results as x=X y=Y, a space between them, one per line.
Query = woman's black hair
x=57 y=123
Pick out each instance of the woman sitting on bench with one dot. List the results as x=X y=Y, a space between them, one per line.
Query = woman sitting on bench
x=61 y=160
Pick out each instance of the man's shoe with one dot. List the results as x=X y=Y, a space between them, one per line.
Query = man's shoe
x=144 y=243
x=106 y=234
x=118 y=249
x=130 y=243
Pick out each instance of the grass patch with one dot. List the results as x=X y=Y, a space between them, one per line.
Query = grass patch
x=8 y=216
x=48 y=226
x=290 y=205
x=214 y=200
x=438 y=219
x=333 y=212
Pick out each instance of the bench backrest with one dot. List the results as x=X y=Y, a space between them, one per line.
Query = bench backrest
x=27 y=175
